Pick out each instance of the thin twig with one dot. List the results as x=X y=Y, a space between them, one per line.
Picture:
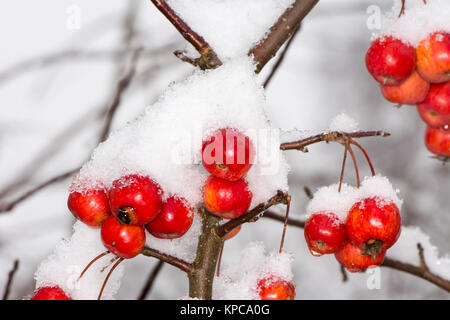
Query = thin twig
x=281 y=58
x=11 y=275
x=344 y=273
x=251 y=216
x=278 y=217
x=151 y=280
x=366 y=155
x=308 y=192
x=335 y=136
x=180 y=264
x=91 y=263
x=355 y=164
x=286 y=219
x=341 y=178
x=280 y=32
x=107 y=277
x=208 y=58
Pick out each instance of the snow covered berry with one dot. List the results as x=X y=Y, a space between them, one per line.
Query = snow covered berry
x=228 y=154
x=373 y=225
x=355 y=260
x=274 y=288
x=135 y=199
x=390 y=61
x=174 y=220
x=90 y=206
x=226 y=199
x=324 y=233
x=123 y=240
x=50 y=293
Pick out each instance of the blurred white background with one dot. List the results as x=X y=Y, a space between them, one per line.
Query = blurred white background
x=52 y=112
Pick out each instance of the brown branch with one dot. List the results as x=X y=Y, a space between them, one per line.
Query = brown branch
x=208 y=58
x=151 y=280
x=421 y=271
x=251 y=215
x=335 y=136
x=11 y=275
x=281 y=58
x=280 y=32
x=180 y=264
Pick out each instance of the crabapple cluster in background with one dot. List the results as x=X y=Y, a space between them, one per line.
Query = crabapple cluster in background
x=359 y=236
x=417 y=76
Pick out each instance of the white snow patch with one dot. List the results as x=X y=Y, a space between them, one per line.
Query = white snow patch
x=417 y=22
x=231 y=27
x=343 y=123
x=405 y=250
x=239 y=281
x=63 y=267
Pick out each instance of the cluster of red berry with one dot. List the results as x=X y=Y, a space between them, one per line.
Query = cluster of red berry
x=417 y=76
x=371 y=226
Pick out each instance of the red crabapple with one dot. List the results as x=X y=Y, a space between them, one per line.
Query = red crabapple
x=435 y=109
x=433 y=57
x=355 y=260
x=411 y=91
x=373 y=225
x=228 y=154
x=174 y=220
x=324 y=233
x=123 y=240
x=274 y=288
x=226 y=199
x=50 y=293
x=90 y=206
x=390 y=61
x=438 y=141
x=135 y=199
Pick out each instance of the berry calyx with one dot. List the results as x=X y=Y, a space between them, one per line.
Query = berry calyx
x=226 y=199
x=135 y=199
x=50 y=293
x=90 y=206
x=123 y=240
x=324 y=233
x=433 y=57
x=373 y=225
x=274 y=288
x=390 y=61
x=228 y=154
x=174 y=220
x=355 y=260
x=438 y=141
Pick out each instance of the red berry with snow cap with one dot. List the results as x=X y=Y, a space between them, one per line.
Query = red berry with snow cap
x=123 y=240
x=274 y=288
x=228 y=154
x=324 y=233
x=90 y=206
x=174 y=220
x=135 y=199
x=373 y=225
x=50 y=293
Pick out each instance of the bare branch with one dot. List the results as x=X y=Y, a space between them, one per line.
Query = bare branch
x=281 y=58
x=280 y=32
x=335 y=136
x=11 y=275
x=278 y=217
x=180 y=264
x=208 y=58
x=151 y=279
x=251 y=215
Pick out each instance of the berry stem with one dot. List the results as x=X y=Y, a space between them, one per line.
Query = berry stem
x=402 y=10
x=220 y=259
x=343 y=167
x=288 y=205
x=358 y=181
x=365 y=155
x=90 y=263
x=107 y=277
